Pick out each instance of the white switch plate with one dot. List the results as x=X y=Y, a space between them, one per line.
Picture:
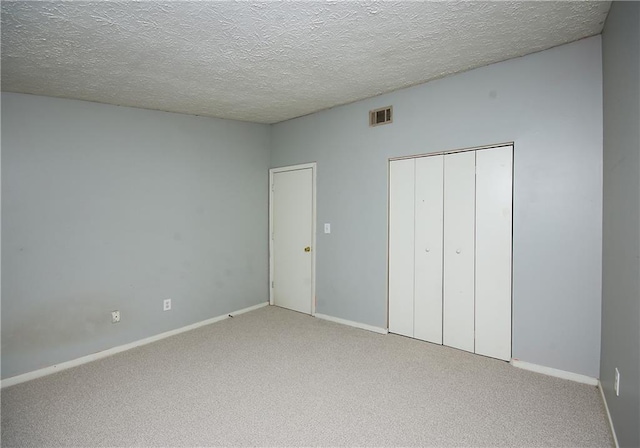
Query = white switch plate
x=166 y=305
x=616 y=383
x=327 y=228
x=115 y=317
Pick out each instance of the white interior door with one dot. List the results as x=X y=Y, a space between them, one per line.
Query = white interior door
x=292 y=239
x=428 y=248
x=493 y=252
x=401 y=246
x=459 y=250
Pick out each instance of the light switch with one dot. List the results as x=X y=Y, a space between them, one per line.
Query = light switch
x=327 y=227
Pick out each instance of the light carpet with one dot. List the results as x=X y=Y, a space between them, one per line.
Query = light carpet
x=275 y=377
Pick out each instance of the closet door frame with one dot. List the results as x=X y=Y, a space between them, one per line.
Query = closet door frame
x=453 y=151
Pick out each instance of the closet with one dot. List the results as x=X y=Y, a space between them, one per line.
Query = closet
x=450 y=240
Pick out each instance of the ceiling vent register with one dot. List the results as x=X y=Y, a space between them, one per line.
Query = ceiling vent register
x=380 y=116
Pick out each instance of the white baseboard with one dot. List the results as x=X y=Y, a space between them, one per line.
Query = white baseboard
x=352 y=323
x=121 y=348
x=555 y=372
x=606 y=407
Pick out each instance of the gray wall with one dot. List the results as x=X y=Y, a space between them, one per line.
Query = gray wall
x=550 y=105
x=621 y=240
x=107 y=207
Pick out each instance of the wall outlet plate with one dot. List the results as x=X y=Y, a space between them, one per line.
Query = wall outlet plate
x=166 y=304
x=327 y=227
x=616 y=383
x=115 y=317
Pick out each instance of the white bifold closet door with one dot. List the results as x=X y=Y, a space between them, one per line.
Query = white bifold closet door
x=415 y=248
x=428 y=249
x=493 y=251
x=450 y=238
x=459 y=250
x=401 y=245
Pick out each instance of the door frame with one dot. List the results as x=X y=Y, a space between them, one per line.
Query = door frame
x=272 y=171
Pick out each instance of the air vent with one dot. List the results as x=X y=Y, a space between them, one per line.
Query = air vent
x=381 y=116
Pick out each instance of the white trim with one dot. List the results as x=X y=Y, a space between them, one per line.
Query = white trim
x=606 y=407
x=270 y=236
x=272 y=171
x=121 y=348
x=302 y=166
x=314 y=173
x=453 y=151
x=555 y=372
x=352 y=323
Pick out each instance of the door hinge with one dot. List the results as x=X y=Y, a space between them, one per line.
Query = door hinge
x=272 y=284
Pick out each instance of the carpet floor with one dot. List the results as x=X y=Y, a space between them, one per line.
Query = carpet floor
x=274 y=377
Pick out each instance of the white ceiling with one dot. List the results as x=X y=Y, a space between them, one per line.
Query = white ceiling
x=267 y=61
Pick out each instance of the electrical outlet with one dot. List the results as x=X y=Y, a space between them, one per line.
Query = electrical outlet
x=115 y=317
x=166 y=305
x=616 y=383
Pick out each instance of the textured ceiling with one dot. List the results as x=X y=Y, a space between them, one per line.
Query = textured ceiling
x=267 y=61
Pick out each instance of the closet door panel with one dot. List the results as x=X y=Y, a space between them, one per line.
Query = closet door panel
x=459 y=250
x=401 y=245
x=493 y=252
x=428 y=249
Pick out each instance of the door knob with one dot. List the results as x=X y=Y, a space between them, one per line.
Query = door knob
x=307 y=249
x=427 y=250
x=458 y=251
